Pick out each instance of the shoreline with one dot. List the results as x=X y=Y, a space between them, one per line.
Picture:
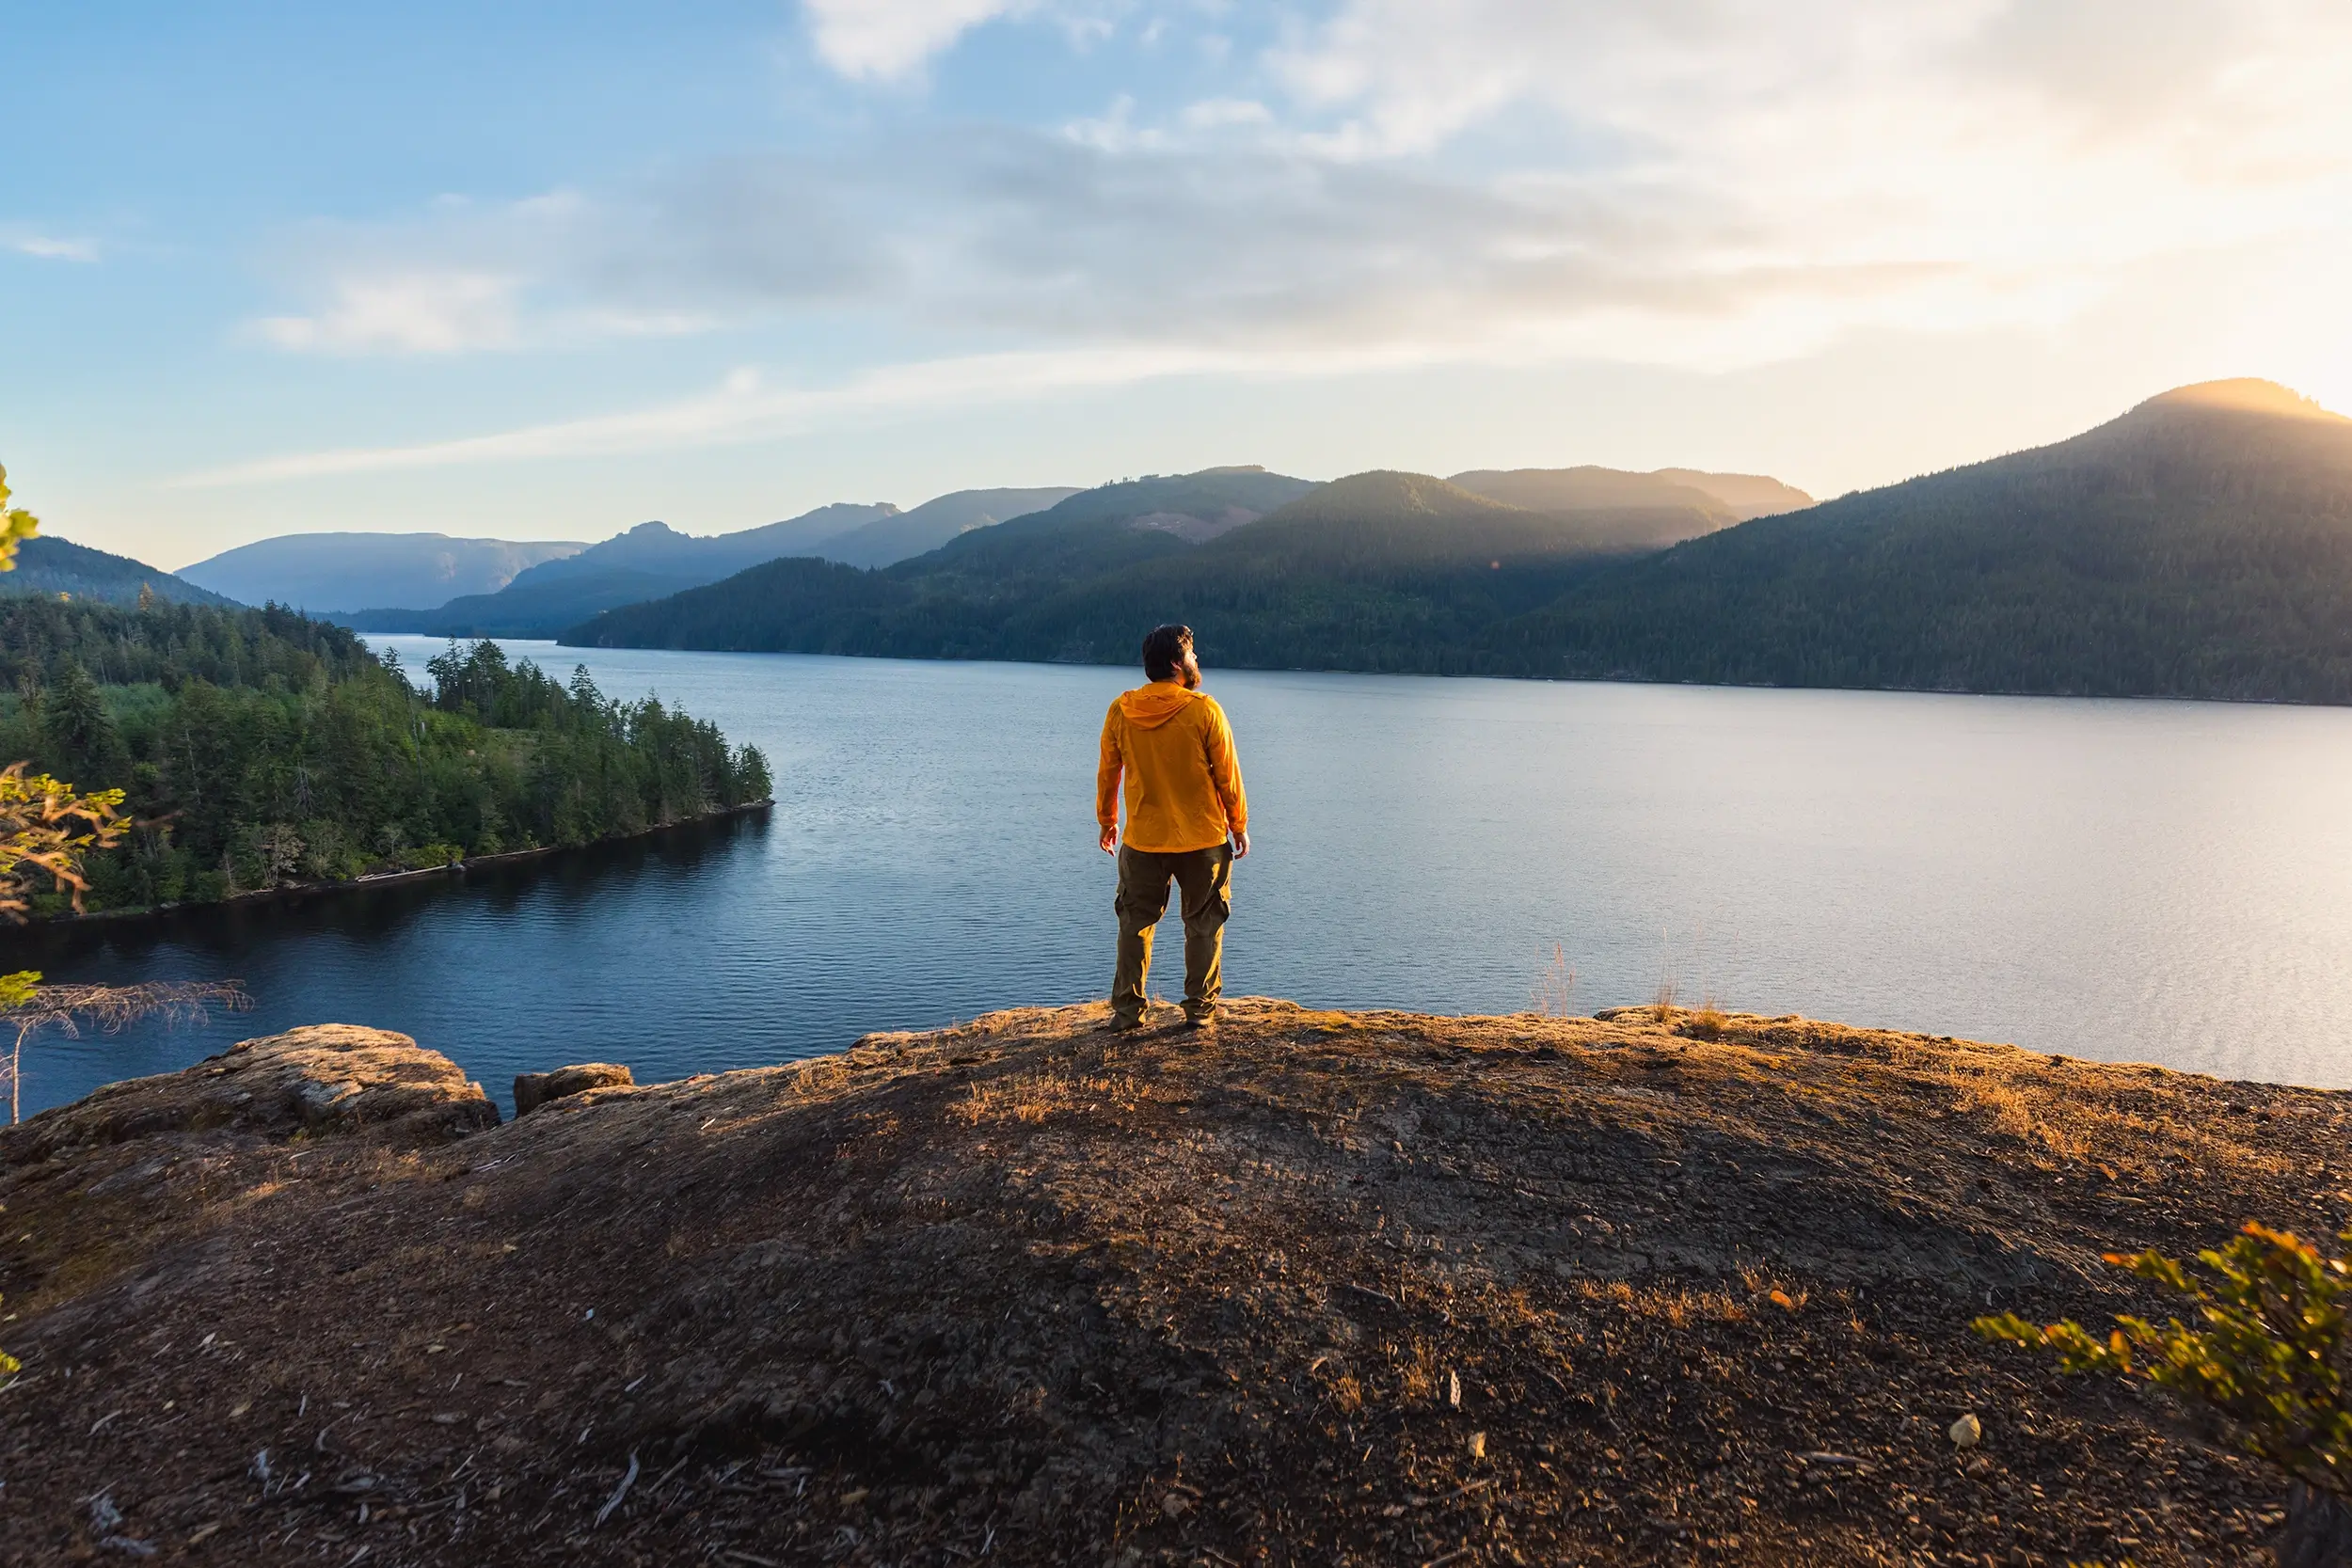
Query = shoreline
x=1455 y=675
x=296 y=892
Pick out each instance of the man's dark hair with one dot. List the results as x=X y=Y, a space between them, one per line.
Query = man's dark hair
x=1164 y=651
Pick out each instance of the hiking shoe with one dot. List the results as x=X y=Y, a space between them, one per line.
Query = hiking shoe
x=1200 y=1020
x=1125 y=1025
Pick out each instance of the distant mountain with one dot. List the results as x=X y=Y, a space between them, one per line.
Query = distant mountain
x=648 y=562
x=329 y=574
x=1370 y=571
x=2199 y=545
x=1747 y=495
x=1727 y=498
x=49 y=565
x=1108 y=527
x=933 y=524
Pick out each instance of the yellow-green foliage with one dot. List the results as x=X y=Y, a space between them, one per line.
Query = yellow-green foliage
x=2269 y=1359
x=16 y=526
x=46 y=827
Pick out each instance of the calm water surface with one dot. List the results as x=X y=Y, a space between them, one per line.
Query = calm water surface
x=2160 y=882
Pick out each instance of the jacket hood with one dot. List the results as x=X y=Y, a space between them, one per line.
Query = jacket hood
x=1150 y=706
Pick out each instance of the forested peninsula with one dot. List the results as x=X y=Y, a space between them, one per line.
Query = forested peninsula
x=2198 y=545
x=260 y=750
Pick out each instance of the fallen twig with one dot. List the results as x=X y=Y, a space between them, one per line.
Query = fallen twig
x=618 y=1493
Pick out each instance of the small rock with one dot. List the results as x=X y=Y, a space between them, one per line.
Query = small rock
x=1967 y=1432
x=1454 y=1389
x=1478 y=1445
x=1175 y=1505
x=535 y=1089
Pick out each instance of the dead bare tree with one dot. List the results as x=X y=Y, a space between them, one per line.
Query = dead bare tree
x=110 y=1009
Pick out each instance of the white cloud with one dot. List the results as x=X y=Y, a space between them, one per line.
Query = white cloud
x=868 y=39
x=1678 y=181
x=1706 y=184
x=51 y=247
x=406 y=312
x=1215 y=114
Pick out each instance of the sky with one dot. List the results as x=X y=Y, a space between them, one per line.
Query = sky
x=543 y=271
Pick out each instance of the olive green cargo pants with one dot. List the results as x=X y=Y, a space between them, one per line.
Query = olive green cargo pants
x=1205 y=881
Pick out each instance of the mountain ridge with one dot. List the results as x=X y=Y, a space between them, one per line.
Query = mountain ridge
x=648 y=562
x=336 y=573
x=46 y=563
x=2198 y=544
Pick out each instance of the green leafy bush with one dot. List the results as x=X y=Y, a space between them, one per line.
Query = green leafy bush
x=2267 y=1358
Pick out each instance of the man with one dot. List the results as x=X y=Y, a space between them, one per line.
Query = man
x=1186 y=819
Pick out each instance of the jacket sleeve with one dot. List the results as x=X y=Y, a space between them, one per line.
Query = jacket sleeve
x=1225 y=770
x=1107 y=771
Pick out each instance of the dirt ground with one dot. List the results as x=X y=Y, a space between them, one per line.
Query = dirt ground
x=1319 y=1288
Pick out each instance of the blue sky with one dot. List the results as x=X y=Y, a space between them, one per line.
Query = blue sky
x=543 y=272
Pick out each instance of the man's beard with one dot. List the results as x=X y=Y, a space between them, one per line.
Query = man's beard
x=1190 y=676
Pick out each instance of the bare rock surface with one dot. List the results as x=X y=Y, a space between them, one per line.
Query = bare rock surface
x=324 y=1077
x=1326 y=1288
x=535 y=1089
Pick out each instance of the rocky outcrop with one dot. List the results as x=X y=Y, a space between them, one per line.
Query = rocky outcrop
x=1325 y=1288
x=535 y=1089
x=326 y=1077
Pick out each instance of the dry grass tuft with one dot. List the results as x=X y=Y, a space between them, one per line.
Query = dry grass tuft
x=1030 y=1098
x=1710 y=1023
x=1556 y=989
x=1677 y=1306
x=820 y=1075
x=1418 y=1373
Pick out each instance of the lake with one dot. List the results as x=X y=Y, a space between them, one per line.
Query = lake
x=2133 y=881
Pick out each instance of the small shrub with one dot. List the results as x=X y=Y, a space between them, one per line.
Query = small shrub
x=2268 y=1366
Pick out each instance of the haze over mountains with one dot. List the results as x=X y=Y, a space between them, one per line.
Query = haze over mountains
x=2200 y=544
x=653 y=559
x=332 y=574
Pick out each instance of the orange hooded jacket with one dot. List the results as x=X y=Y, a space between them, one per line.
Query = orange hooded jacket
x=1184 y=781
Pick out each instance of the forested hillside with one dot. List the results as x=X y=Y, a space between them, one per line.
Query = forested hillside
x=1381 y=571
x=260 y=749
x=49 y=565
x=2199 y=545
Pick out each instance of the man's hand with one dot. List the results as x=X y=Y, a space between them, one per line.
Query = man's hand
x=1110 y=839
x=1241 y=844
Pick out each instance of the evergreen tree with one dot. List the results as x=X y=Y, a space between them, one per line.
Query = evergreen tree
x=79 y=730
